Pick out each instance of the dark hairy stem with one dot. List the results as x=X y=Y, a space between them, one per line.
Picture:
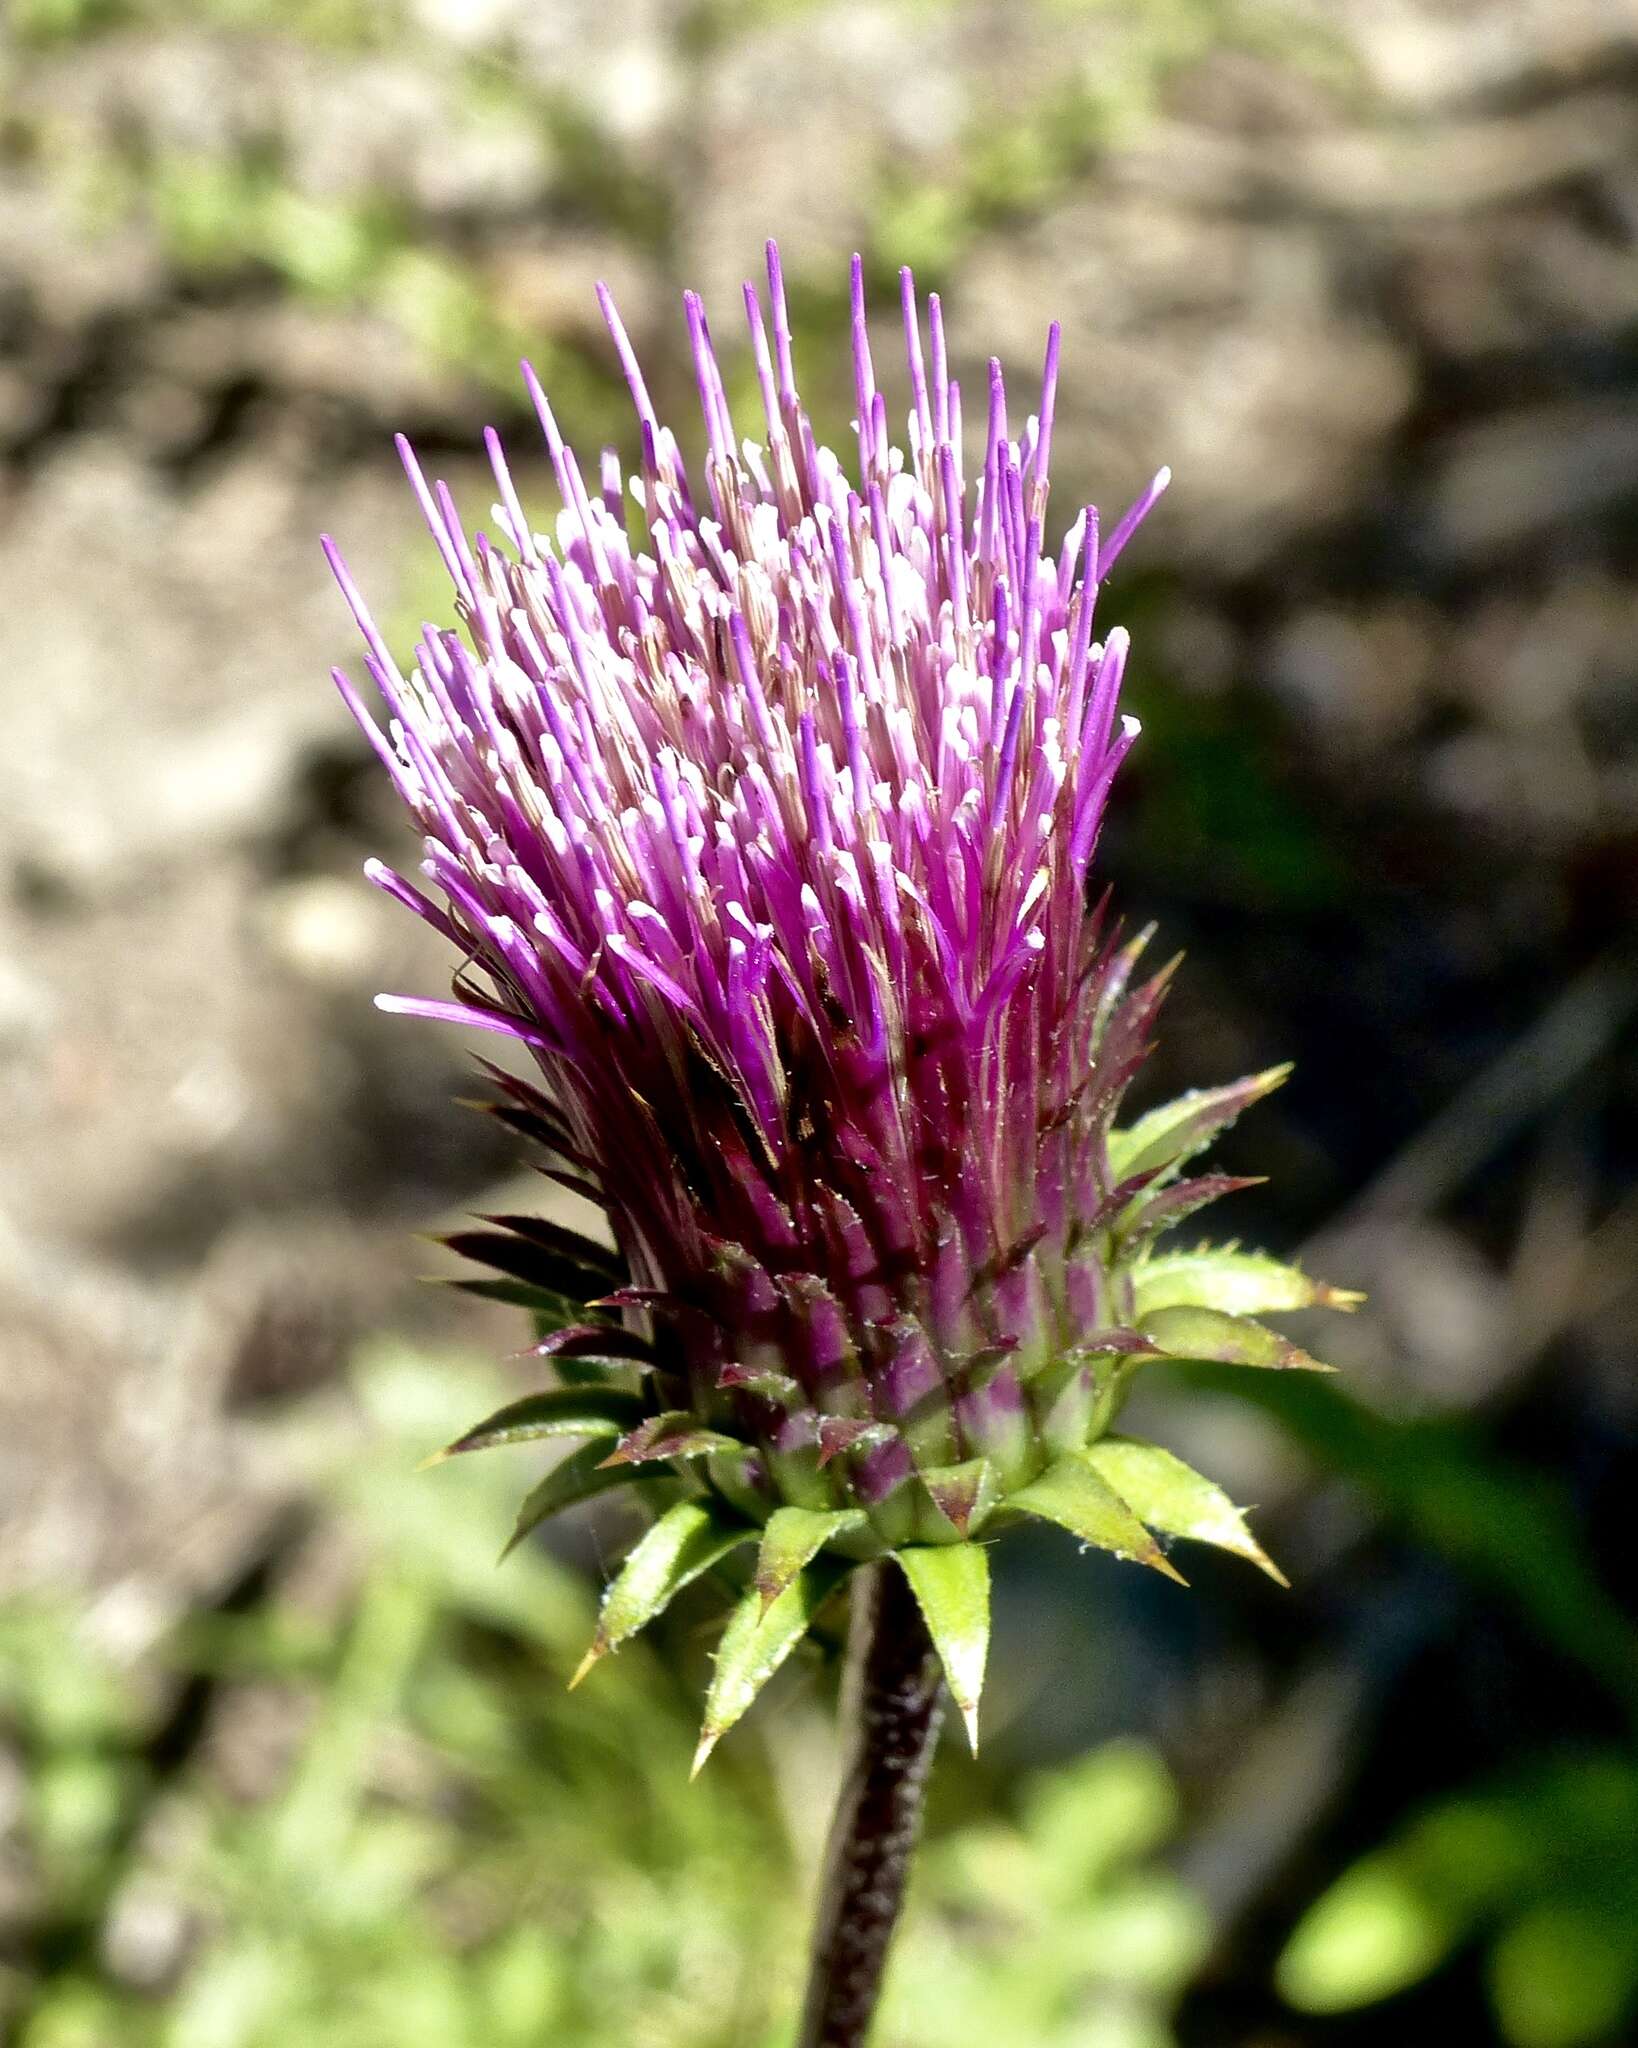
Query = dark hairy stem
x=893 y=1692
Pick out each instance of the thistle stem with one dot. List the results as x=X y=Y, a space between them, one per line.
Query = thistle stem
x=893 y=1693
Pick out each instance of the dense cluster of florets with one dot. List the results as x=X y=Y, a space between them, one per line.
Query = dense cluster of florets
x=760 y=808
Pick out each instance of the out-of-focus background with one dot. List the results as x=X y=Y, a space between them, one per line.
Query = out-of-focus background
x=283 y=1757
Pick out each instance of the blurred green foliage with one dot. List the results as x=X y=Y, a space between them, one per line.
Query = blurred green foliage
x=1538 y=1865
x=1053 y=1927
x=1507 y=1528
x=1010 y=170
x=242 y=206
x=1541 y=1866
x=334 y=23
x=1214 y=811
x=448 y=1848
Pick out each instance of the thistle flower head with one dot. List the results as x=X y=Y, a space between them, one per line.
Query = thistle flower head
x=760 y=806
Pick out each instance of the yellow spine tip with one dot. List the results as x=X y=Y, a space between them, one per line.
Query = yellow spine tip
x=436 y=1458
x=708 y=1742
x=1264 y=1563
x=969 y=1720
x=592 y=1657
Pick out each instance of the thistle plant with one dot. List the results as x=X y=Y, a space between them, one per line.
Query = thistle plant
x=760 y=806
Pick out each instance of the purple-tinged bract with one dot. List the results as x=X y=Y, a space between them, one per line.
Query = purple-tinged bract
x=761 y=807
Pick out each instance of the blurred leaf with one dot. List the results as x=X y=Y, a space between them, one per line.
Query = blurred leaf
x=1217 y=814
x=440 y=1847
x=549 y=1309
x=1542 y=1862
x=1372 y=1934
x=1566 y=1971
x=1047 y=1931
x=1100 y=1812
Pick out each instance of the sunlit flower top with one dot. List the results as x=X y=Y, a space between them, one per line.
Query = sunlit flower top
x=760 y=807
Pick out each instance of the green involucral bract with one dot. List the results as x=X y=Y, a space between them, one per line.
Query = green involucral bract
x=1111 y=1492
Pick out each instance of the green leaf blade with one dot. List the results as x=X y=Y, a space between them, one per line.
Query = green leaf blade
x=1172 y=1497
x=951 y=1582
x=550 y=1309
x=581 y=1476
x=1162 y=1205
x=556 y=1411
x=1209 y=1334
x=686 y=1541
x=1232 y=1282
x=757 y=1641
x=566 y=1243
x=792 y=1538
x=962 y=1498
x=1165 y=1138
x=675 y=1434
x=557 y=1262
x=1071 y=1494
